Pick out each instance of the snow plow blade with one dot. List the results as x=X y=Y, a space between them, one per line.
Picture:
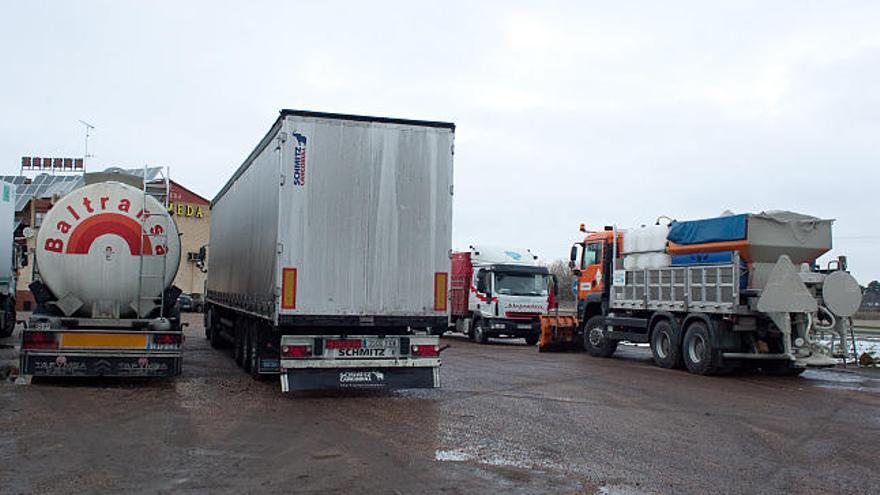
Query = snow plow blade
x=558 y=333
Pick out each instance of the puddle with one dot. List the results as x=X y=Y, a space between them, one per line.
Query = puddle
x=843 y=380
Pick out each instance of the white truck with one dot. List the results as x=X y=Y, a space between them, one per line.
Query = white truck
x=7 y=259
x=498 y=292
x=329 y=254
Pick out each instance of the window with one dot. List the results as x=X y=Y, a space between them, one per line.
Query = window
x=192 y=257
x=521 y=284
x=592 y=254
x=38 y=219
x=483 y=281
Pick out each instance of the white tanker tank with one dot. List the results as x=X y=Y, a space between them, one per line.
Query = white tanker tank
x=104 y=254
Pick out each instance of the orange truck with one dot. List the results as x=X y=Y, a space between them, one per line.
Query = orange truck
x=714 y=294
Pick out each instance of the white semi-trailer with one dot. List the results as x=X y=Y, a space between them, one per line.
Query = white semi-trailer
x=106 y=257
x=329 y=252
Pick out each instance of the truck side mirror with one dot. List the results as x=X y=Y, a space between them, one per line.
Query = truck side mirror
x=555 y=285
x=574 y=253
x=202 y=254
x=24 y=260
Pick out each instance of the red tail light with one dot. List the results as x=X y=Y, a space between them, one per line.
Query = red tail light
x=167 y=338
x=343 y=344
x=296 y=351
x=425 y=350
x=39 y=340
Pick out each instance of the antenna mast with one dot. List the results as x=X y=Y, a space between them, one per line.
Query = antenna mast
x=86 y=154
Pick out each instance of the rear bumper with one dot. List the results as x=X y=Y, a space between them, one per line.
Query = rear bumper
x=100 y=363
x=361 y=375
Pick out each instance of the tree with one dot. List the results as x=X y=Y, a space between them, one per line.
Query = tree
x=565 y=277
x=873 y=287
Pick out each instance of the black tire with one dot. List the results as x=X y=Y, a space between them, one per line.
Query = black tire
x=254 y=353
x=594 y=338
x=666 y=345
x=532 y=339
x=213 y=331
x=248 y=347
x=781 y=369
x=9 y=317
x=238 y=345
x=480 y=335
x=699 y=355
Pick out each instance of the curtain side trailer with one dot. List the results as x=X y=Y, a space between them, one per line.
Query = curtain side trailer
x=329 y=253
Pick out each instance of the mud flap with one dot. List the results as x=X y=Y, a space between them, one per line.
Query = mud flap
x=359 y=378
x=94 y=366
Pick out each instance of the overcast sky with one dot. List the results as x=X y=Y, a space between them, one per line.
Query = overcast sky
x=595 y=112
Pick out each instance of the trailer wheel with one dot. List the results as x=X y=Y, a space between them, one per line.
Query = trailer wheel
x=247 y=347
x=666 y=346
x=238 y=351
x=254 y=355
x=595 y=341
x=699 y=355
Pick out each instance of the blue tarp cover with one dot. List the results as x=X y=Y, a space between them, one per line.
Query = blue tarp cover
x=729 y=228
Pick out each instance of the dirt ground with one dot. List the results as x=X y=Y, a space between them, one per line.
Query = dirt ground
x=507 y=419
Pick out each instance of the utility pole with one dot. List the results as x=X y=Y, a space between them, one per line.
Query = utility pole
x=86 y=154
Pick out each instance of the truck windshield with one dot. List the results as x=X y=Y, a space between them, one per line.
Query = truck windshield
x=521 y=284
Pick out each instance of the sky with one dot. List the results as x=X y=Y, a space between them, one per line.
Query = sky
x=583 y=112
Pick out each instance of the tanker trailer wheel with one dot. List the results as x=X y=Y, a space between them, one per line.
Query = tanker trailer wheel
x=666 y=346
x=700 y=356
x=595 y=341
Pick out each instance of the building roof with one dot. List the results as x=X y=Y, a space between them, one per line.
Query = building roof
x=45 y=186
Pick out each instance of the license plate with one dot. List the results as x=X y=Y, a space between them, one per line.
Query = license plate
x=369 y=349
x=104 y=340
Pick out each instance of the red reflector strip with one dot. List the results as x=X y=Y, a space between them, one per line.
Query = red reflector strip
x=39 y=340
x=296 y=351
x=426 y=350
x=288 y=288
x=440 y=287
x=167 y=338
x=343 y=344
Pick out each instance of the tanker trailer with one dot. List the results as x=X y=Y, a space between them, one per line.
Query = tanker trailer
x=106 y=256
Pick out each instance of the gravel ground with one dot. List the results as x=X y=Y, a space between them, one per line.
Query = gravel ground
x=507 y=419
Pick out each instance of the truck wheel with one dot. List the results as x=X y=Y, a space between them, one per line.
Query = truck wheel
x=698 y=353
x=480 y=332
x=594 y=338
x=666 y=346
x=532 y=339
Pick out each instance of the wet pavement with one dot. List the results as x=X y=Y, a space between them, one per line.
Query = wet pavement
x=507 y=419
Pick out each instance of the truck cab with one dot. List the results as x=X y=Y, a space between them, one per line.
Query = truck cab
x=499 y=292
x=590 y=263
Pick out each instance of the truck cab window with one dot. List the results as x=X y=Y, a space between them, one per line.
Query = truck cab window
x=592 y=254
x=483 y=281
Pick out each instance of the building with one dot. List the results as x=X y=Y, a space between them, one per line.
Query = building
x=35 y=196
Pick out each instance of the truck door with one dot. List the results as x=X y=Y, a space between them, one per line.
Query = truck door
x=592 y=275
